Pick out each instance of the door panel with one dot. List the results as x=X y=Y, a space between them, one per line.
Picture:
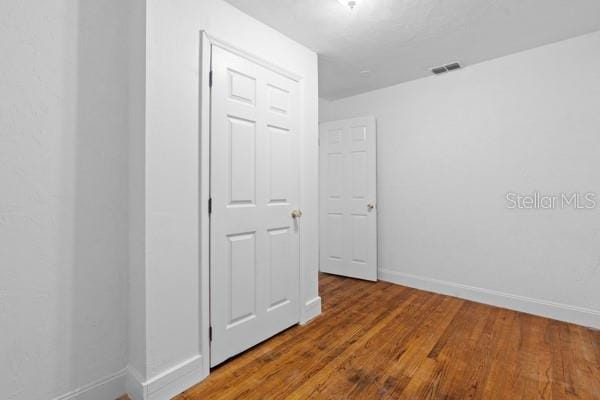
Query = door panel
x=280 y=166
x=254 y=187
x=242 y=269
x=347 y=189
x=241 y=154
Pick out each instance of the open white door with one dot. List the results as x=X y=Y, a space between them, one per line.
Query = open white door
x=348 y=214
x=255 y=257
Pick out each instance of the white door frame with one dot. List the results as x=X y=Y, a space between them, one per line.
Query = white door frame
x=206 y=43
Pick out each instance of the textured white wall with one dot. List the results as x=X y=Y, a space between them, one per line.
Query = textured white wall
x=63 y=201
x=449 y=149
x=99 y=170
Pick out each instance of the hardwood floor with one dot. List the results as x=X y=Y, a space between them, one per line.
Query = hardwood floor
x=383 y=341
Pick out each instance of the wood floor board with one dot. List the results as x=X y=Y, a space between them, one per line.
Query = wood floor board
x=264 y=363
x=326 y=351
x=350 y=374
x=412 y=352
x=456 y=358
x=384 y=341
x=286 y=374
x=471 y=384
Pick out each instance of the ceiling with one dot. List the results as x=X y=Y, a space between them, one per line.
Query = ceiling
x=385 y=42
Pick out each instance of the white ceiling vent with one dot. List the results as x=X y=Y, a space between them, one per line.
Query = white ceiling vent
x=446 y=68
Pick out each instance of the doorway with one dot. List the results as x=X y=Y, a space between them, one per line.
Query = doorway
x=348 y=198
x=254 y=203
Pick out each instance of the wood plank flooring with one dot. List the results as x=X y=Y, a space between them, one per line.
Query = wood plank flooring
x=384 y=341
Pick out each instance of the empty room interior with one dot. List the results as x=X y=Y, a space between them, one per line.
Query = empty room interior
x=299 y=199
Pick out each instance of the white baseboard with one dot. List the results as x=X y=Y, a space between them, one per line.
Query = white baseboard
x=562 y=312
x=312 y=309
x=167 y=384
x=108 y=388
x=134 y=383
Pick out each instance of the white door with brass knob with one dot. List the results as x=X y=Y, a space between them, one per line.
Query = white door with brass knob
x=348 y=208
x=255 y=218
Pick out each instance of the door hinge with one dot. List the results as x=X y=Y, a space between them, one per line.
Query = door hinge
x=210 y=79
x=210 y=334
x=210 y=205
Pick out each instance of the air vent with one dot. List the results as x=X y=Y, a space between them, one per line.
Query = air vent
x=446 y=68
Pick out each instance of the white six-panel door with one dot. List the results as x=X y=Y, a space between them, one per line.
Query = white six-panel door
x=348 y=213
x=254 y=190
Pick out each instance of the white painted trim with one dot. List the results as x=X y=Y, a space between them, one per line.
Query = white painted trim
x=562 y=312
x=134 y=384
x=168 y=383
x=312 y=309
x=205 y=66
x=251 y=57
x=109 y=387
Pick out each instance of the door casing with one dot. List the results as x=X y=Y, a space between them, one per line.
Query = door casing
x=206 y=43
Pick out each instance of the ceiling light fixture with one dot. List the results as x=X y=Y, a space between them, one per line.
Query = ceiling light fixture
x=349 y=3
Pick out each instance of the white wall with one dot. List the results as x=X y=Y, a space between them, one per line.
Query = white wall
x=99 y=126
x=63 y=201
x=173 y=356
x=450 y=147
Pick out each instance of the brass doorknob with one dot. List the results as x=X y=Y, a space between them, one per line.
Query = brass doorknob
x=296 y=213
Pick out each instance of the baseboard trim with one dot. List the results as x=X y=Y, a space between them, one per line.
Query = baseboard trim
x=168 y=383
x=109 y=387
x=134 y=384
x=562 y=312
x=312 y=309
